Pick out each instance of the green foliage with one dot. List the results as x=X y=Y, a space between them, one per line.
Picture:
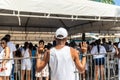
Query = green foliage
x=105 y=1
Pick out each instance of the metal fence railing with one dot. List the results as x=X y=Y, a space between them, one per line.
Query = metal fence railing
x=109 y=69
x=108 y=66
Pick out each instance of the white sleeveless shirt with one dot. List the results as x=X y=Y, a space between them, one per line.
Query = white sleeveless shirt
x=2 y=55
x=8 y=65
x=61 y=64
x=26 y=54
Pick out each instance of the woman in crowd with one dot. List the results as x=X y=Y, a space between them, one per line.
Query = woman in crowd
x=26 y=63
x=98 y=52
x=44 y=74
x=17 y=66
x=5 y=64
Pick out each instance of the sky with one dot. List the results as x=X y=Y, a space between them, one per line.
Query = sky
x=117 y=2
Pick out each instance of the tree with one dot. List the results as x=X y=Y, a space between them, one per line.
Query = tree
x=106 y=1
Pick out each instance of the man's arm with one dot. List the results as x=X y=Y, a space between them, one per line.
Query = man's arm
x=118 y=50
x=41 y=63
x=14 y=49
x=80 y=64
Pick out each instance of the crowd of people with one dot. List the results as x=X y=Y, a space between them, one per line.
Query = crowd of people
x=56 y=61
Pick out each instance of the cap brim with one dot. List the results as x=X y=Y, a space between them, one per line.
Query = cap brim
x=60 y=37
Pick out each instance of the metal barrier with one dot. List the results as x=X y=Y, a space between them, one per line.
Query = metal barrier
x=109 y=69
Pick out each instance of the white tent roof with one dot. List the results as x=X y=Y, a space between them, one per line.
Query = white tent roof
x=64 y=7
x=47 y=15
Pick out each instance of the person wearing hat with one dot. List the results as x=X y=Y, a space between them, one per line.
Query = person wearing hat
x=62 y=59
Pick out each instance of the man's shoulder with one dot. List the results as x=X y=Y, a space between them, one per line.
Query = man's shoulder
x=10 y=43
x=73 y=50
x=119 y=43
x=52 y=48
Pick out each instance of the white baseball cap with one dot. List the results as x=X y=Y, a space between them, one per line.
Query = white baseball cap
x=61 y=33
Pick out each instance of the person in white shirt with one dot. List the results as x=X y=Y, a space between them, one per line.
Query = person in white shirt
x=99 y=52
x=1 y=48
x=62 y=59
x=119 y=60
x=26 y=63
x=12 y=49
x=5 y=63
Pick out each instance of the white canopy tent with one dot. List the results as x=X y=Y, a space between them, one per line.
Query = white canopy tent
x=62 y=7
x=47 y=15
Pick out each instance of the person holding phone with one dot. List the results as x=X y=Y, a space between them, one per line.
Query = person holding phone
x=62 y=59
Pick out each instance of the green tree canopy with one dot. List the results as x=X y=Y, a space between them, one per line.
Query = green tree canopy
x=105 y=1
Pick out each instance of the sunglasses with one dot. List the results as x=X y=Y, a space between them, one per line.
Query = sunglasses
x=2 y=42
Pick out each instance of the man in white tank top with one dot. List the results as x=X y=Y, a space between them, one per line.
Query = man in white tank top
x=63 y=59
